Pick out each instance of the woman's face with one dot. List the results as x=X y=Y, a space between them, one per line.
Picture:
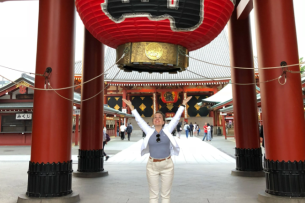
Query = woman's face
x=158 y=119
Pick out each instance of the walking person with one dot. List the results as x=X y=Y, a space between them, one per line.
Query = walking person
x=179 y=129
x=129 y=131
x=186 y=129
x=191 y=129
x=118 y=129
x=195 y=129
x=212 y=131
x=122 y=130
x=209 y=132
x=106 y=138
x=198 y=130
x=161 y=145
x=205 y=131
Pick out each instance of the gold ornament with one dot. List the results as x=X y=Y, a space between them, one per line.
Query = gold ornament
x=23 y=83
x=117 y=98
x=153 y=51
x=170 y=106
x=116 y=107
x=197 y=107
x=142 y=107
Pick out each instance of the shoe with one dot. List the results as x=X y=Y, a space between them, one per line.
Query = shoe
x=107 y=157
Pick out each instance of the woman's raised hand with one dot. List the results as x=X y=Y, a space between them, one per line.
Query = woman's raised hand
x=128 y=103
x=184 y=102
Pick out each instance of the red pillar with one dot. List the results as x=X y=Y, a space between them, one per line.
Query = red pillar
x=224 y=126
x=248 y=152
x=282 y=104
x=92 y=111
x=128 y=109
x=105 y=97
x=76 y=130
x=52 y=115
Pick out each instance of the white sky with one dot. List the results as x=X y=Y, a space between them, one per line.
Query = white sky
x=18 y=35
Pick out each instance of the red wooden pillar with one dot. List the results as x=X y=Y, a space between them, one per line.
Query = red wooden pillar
x=128 y=109
x=224 y=126
x=248 y=152
x=124 y=106
x=52 y=116
x=282 y=105
x=92 y=111
x=185 y=110
x=0 y=122
x=76 y=129
x=105 y=97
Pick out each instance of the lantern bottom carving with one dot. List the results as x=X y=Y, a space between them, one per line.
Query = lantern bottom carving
x=152 y=57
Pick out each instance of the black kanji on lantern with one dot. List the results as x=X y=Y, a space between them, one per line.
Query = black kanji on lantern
x=183 y=14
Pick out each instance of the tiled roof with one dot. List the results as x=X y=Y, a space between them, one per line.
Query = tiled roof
x=216 y=52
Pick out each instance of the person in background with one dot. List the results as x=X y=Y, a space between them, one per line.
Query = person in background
x=209 y=132
x=195 y=129
x=205 y=131
x=179 y=129
x=105 y=140
x=186 y=129
x=122 y=130
x=191 y=129
x=118 y=130
x=198 y=130
x=212 y=131
x=129 y=131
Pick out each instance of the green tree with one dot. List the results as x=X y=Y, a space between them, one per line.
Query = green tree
x=302 y=66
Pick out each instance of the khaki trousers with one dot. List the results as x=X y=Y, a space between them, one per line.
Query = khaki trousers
x=165 y=169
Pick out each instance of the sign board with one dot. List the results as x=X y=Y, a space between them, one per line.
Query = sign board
x=76 y=111
x=23 y=116
x=124 y=110
x=223 y=114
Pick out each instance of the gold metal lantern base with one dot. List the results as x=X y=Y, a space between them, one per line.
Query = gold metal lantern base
x=152 y=57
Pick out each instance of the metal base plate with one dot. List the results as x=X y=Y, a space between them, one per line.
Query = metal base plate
x=264 y=197
x=90 y=174
x=71 y=198
x=248 y=173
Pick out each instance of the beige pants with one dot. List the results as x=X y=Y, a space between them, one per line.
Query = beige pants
x=165 y=169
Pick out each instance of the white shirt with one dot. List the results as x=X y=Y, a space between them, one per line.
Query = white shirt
x=175 y=149
x=122 y=128
x=209 y=128
x=185 y=126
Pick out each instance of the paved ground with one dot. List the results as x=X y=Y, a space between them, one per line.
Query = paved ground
x=202 y=174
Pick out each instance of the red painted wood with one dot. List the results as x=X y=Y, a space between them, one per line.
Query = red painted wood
x=244 y=96
x=282 y=105
x=0 y=123
x=13 y=88
x=224 y=132
x=52 y=126
x=15 y=139
x=168 y=83
x=92 y=117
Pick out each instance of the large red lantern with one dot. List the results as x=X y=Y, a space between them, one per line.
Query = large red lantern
x=169 y=97
x=174 y=27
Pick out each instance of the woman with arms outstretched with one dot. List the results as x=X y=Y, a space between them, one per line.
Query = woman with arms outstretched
x=161 y=145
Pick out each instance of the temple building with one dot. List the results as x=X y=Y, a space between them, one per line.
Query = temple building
x=151 y=92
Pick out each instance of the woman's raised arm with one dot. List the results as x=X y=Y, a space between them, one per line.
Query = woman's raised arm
x=142 y=124
x=174 y=122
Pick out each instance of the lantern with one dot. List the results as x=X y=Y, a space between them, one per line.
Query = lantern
x=155 y=35
x=169 y=97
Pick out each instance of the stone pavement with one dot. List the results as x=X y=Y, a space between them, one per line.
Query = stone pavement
x=202 y=174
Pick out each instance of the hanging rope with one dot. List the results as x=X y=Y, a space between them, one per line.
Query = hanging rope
x=87 y=98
